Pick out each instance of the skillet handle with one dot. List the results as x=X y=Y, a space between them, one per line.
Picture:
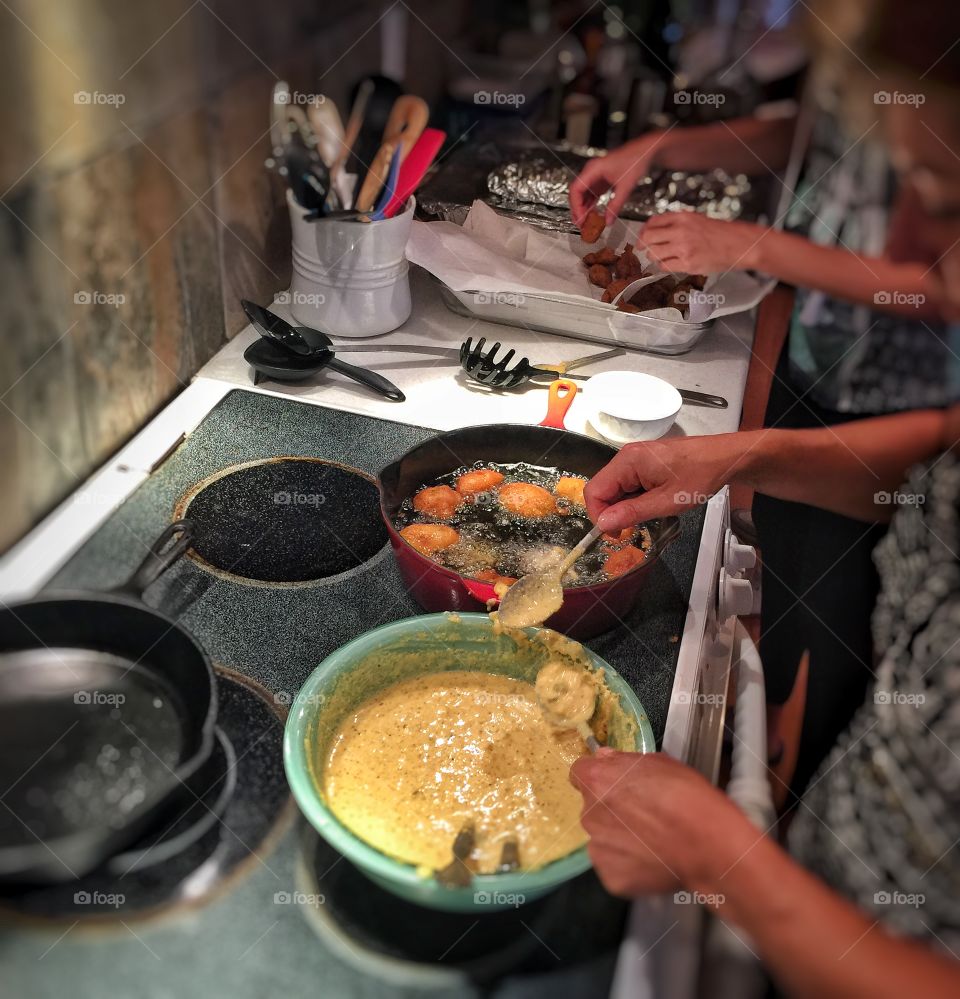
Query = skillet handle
x=562 y=391
x=161 y=556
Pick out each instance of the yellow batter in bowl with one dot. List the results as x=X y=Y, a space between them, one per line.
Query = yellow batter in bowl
x=414 y=763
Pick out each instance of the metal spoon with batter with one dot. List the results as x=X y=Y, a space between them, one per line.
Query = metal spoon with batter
x=568 y=698
x=534 y=597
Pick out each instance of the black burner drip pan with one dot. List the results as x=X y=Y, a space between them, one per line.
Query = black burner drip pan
x=285 y=520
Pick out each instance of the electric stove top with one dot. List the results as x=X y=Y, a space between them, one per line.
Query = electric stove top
x=256 y=903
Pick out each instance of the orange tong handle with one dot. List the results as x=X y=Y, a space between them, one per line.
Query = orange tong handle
x=562 y=392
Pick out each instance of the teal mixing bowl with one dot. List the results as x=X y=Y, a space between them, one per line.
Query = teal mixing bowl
x=378 y=658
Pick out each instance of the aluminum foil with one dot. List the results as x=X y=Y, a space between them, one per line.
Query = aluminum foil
x=533 y=184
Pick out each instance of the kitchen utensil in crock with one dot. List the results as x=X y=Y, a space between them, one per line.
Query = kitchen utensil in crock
x=355 y=672
x=559 y=401
x=586 y=610
x=107 y=707
x=485 y=368
x=389 y=188
x=414 y=167
x=539 y=595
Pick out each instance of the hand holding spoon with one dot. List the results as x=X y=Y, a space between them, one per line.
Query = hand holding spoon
x=534 y=597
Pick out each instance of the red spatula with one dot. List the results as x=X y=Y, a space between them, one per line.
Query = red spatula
x=415 y=164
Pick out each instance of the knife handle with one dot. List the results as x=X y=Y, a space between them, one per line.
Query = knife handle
x=703 y=399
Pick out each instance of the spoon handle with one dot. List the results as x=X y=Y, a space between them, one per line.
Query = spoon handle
x=576 y=552
x=588 y=737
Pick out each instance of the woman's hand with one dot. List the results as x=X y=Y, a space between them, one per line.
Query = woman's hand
x=657 y=478
x=648 y=818
x=693 y=244
x=619 y=171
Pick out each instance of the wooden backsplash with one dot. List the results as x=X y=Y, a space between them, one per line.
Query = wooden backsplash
x=133 y=222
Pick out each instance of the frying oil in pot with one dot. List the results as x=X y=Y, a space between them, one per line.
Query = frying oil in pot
x=496 y=542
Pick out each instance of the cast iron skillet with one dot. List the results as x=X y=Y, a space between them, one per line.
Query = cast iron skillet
x=107 y=707
x=586 y=610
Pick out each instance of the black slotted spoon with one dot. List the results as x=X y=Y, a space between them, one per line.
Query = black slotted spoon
x=488 y=370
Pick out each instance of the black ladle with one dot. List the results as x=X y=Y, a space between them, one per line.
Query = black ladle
x=285 y=354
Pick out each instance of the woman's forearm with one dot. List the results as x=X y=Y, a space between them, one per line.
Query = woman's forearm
x=890 y=286
x=743 y=145
x=854 y=469
x=814 y=942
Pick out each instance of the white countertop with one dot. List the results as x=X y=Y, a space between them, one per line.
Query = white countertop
x=441 y=397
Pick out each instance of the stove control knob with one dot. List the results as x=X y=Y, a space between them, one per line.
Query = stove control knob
x=738 y=557
x=735 y=597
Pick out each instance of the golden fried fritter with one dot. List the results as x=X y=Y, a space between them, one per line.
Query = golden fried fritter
x=592 y=226
x=527 y=500
x=479 y=481
x=437 y=501
x=429 y=539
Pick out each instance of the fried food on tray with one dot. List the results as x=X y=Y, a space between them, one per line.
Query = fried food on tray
x=429 y=539
x=571 y=488
x=599 y=275
x=592 y=226
x=623 y=306
x=527 y=500
x=480 y=480
x=623 y=560
x=437 y=501
x=628 y=265
x=614 y=288
x=655 y=295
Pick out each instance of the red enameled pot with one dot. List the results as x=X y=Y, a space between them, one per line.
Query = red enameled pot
x=586 y=610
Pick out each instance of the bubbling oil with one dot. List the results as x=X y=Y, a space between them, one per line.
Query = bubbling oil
x=495 y=540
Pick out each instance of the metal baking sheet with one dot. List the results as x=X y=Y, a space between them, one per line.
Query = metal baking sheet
x=570 y=315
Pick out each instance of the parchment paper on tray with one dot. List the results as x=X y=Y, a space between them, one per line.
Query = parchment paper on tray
x=498 y=255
